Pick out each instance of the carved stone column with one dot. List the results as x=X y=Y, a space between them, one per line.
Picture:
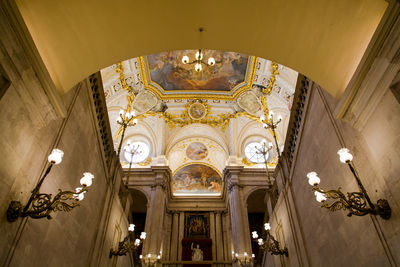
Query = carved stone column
x=174 y=237
x=157 y=212
x=237 y=210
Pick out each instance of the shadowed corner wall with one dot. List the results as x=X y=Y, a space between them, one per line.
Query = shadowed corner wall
x=315 y=236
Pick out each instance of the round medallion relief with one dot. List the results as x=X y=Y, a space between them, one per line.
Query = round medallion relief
x=197 y=111
x=196 y=151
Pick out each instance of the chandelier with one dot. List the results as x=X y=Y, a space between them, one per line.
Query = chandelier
x=198 y=61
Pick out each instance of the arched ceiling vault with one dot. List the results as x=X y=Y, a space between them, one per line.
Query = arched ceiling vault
x=322 y=39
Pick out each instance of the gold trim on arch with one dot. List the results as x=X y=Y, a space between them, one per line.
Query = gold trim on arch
x=211 y=94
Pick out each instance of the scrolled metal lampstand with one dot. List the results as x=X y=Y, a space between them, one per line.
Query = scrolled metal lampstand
x=269 y=243
x=40 y=205
x=126 y=245
x=357 y=203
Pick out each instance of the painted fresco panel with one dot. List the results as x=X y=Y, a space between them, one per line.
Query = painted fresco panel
x=197 y=180
x=168 y=71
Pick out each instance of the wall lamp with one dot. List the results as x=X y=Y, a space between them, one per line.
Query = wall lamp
x=264 y=150
x=243 y=260
x=151 y=260
x=270 y=123
x=357 y=203
x=41 y=205
x=125 y=119
x=126 y=245
x=269 y=243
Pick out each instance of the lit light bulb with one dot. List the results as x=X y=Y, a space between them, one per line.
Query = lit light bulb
x=56 y=156
x=79 y=196
x=119 y=120
x=313 y=178
x=320 y=197
x=270 y=144
x=199 y=55
x=137 y=242
x=255 y=235
x=260 y=242
x=253 y=255
x=270 y=115
x=87 y=178
x=133 y=113
x=143 y=235
x=148 y=255
x=129 y=115
x=265 y=126
x=262 y=118
x=236 y=255
x=134 y=121
x=158 y=257
x=279 y=118
x=185 y=59
x=140 y=256
x=198 y=67
x=267 y=226
x=344 y=155
x=211 y=61
x=245 y=254
x=131 y=227
x=121 y=112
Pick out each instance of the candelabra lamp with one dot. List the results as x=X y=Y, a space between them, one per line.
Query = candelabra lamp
x=243 y=260
x=270 y=123
x=198 y=61
x=357 y=203
x=126 y=245
x=40 y=205
x=269 y=243
x=125 y=119
x=264 y=150
x=151 y=260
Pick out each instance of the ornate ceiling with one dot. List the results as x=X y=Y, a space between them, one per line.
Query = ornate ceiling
x=174 y=105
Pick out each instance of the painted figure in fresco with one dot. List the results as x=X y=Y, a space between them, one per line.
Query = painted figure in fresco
x=215 y=186
x=197 y=253
x=197 y=226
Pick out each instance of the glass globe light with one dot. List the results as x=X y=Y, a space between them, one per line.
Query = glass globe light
x=265 y=125
x=255 y=235
x=137 y=242
x=313 y=178
x=185 y=59
x=119 y=120
x=133 y=113
x=262 y=118
x=134 y=121
x=158 y=257
x=236 y=255
x=129 y=115
x=56 y=156
x=320 y=197
x=253 y=255
x=270 y=144
x=121 y=112
x=148 y=255
x=143 y=235
x=199 y=55
x=86 y=180
x=245 y=254
x=260 y=242
x=131 y=227
x=79 y=196
x=279 y=118
x=267 y=226
x=140 y=256
x=198 y=67
x=211 y=61
x=344 y=155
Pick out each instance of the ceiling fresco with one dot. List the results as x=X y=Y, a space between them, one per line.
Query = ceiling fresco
x=167 y=70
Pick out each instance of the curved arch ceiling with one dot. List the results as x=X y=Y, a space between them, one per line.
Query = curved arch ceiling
x=322 y=39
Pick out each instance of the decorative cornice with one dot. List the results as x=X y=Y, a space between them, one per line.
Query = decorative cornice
x=103 y=121
x=296 y=116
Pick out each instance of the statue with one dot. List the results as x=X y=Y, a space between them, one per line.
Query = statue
x=197 y=253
